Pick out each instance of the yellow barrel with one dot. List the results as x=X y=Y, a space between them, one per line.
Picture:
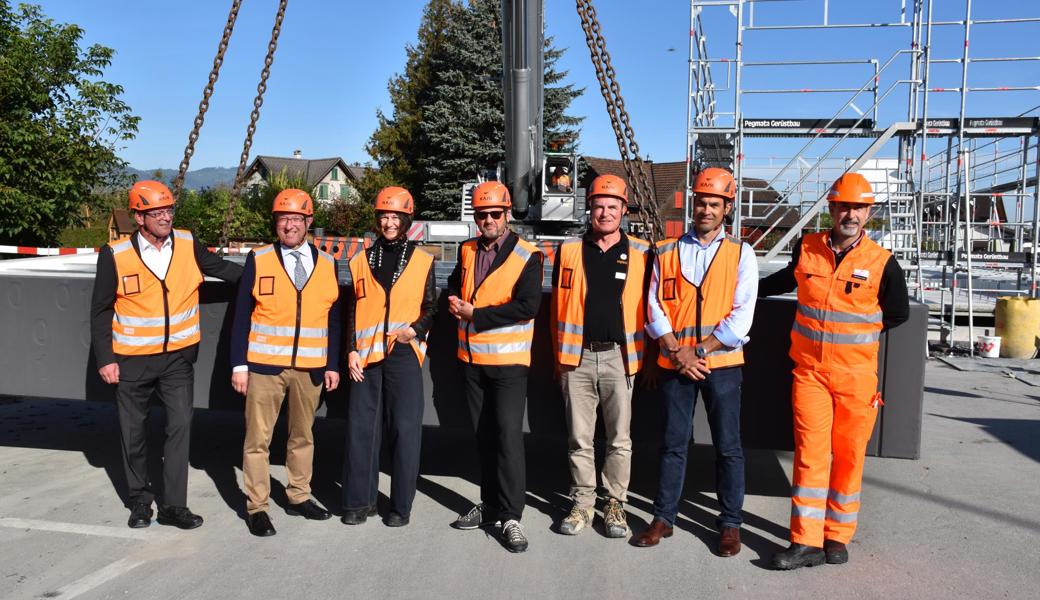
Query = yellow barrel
x=1018 y=325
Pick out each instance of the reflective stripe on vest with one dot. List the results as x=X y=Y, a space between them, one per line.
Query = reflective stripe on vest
x=839 y=320
x=509 y=345
x=693 y=311
x=569 y=297
x=290 y=327
x=374 y=317
x=152 y=316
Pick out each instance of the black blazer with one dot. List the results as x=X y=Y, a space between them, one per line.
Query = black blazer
x=527 y=296
x=102 y=307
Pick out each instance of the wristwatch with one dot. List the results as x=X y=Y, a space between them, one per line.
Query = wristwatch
x=700 y=351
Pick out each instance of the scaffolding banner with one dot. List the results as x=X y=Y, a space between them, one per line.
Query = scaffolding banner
x=982 y=258
x=1001 y=125
x=812 y=125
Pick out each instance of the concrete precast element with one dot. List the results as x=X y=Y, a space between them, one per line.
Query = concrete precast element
x=46 y=353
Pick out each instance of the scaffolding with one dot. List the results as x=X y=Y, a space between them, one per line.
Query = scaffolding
x=957 y=194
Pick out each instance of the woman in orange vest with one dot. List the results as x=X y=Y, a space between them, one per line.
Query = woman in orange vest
x=849 y=290
x=394 y=303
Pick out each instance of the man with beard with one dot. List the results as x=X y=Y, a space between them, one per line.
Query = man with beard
x=494 y=293
x=700 y=307
x=849 y=291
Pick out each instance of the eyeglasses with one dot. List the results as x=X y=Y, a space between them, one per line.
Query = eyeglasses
x=296 y=219
x=160 y=213
x=494 y=214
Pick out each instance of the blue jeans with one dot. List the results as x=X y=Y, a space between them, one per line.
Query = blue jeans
x=721 y=393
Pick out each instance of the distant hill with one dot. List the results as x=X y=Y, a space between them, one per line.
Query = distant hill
x=194 y=180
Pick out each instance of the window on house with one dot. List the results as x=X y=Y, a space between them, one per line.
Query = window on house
x=335 y=174
x=323 y=191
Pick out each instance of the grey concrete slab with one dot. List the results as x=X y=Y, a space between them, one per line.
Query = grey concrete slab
x=960 y=522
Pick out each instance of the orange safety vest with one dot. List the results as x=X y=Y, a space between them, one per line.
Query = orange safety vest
x=507 y=345
x=290 y=327
x=695 y=311
x=839 y=319
x=374 y=316
x=569 y=304
x=155 y=315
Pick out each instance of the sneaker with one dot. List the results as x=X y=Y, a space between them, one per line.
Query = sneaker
x=476 y=517
x=576 y=521
x=615 y=519
x=513 y=536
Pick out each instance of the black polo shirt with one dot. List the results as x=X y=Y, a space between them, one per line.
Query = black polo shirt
x=605 y=273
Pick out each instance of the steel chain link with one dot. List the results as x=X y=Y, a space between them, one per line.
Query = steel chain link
x=619 y=120
x=218 y=61
x=253 y=118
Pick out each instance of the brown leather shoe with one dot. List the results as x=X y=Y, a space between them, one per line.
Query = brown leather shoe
x=651 y=536
x=729 y=541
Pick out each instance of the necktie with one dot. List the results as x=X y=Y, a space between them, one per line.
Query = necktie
x=299 y=273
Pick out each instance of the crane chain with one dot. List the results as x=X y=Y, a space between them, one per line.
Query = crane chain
x=218 y=61
x=253 y=118
x=619 y=120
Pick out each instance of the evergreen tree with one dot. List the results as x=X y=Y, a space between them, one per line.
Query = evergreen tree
x=448 y=123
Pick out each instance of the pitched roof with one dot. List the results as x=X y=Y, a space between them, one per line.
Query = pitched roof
x=311 y=170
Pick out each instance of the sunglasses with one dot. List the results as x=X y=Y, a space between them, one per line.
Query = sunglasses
x=494 y=214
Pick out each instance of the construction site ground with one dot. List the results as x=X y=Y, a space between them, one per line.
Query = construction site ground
x=961 y=522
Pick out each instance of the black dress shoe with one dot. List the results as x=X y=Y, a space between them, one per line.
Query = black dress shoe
x=354 y=517
x=260 y=524
x=395 y=520
x=308 y=509
x=140 y=515
x=796 y=556
x=836 y=552
x=179 y=516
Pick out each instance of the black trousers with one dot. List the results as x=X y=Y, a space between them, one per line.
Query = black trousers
x=390 y=396
x=496 y=406
x=173 y=377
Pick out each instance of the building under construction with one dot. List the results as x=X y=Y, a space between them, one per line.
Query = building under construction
x=779 y=94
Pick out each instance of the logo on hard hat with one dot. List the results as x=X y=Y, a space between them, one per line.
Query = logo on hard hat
x=144 y=200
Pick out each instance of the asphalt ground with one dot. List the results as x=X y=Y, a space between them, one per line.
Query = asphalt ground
x=961 y=522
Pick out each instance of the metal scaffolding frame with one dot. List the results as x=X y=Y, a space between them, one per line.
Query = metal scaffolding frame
x=927 y=214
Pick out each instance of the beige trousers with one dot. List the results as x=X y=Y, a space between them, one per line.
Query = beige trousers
x=599 y=380
x=263 y=403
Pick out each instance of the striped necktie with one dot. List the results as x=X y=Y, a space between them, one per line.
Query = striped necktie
x=299 y=273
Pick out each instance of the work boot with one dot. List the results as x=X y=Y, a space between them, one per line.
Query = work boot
x=576 y=521
x=837 y=553
x=615 y=520
x=796 y=556
x=178 y=516
x=729 y=541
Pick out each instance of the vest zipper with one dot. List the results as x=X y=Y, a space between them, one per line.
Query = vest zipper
x=296 y=333
x=166 y=314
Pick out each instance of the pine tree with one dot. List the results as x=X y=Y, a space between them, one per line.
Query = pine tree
x=448 y=123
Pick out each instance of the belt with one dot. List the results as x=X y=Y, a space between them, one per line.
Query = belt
x=600 y=346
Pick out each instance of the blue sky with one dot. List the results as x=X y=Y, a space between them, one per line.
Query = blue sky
x=335 y=57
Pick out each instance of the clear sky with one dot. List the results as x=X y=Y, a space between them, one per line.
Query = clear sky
x=335 y=57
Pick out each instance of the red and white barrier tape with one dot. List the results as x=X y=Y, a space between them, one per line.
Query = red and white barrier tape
x=29 y=250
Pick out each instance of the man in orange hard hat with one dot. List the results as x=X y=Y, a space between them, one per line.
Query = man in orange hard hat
x=145 y=334
x=849 y=291
x=597 y=318
x=494 y=292
x=701 y=304
x=285 y=341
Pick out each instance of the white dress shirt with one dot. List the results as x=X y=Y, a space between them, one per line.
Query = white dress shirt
x=694 y=259
x=289 y=261
x=156 y=259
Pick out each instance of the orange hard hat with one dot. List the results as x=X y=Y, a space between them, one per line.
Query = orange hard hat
x=609 y=185
x=146 y=195
x=491 y=194
x=852 y=188
x=715 y=182
x=395 y=199
x=293 y=201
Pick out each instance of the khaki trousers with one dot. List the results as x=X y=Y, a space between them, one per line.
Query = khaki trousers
x=263 y=403
x=599 y=380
